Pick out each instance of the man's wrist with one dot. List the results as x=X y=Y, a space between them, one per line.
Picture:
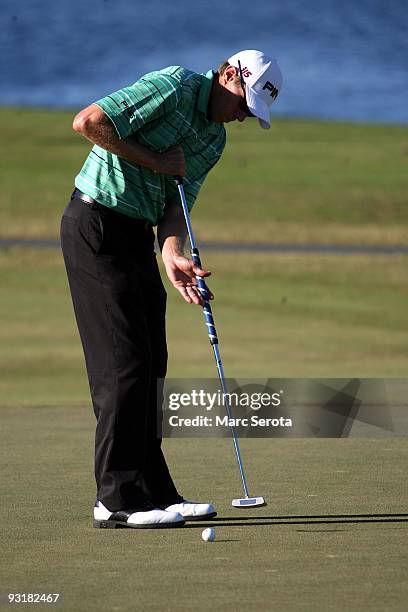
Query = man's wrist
x=172 y=247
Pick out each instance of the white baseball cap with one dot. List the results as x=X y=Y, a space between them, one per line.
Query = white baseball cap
x=263 y=81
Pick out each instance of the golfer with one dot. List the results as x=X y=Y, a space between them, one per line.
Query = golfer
x=169 y=123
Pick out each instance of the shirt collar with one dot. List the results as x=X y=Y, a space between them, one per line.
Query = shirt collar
x=205 y=90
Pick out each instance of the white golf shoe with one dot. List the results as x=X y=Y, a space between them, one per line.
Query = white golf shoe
x=192 y=511
x=148 y=517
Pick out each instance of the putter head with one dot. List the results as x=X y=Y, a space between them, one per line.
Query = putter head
x=249 y=502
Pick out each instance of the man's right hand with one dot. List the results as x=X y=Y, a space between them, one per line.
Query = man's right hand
x=171 y=161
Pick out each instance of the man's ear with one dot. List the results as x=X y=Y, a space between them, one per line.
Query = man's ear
x=229 y=74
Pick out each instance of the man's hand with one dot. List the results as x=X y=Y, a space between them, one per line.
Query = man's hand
x=170 y=162
x=182 y=272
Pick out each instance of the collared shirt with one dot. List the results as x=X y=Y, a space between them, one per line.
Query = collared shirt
x=162 y=109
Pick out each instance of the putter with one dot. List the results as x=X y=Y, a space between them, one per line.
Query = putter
x=247 y=501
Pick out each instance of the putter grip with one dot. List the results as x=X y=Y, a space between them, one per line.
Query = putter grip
x=209 y=321
x=205 y=294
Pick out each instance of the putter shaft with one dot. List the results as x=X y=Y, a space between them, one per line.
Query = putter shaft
x=212 y=333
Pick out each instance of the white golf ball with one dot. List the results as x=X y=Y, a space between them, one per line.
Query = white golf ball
x=208 y=534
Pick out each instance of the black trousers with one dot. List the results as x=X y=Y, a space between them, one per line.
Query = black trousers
x=120 y=303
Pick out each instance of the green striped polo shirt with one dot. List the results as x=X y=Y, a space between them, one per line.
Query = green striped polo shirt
x=164 y=108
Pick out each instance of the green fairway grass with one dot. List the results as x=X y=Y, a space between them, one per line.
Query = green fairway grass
x=301 y=181
x=276 y=316
x=327 y=540
x=333 y=536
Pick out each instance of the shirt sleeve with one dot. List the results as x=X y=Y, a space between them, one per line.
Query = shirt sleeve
x=146 y=100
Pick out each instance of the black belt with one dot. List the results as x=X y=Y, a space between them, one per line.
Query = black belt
x=82 y=196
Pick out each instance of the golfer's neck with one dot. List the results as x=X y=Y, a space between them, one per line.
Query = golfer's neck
x=213 y=100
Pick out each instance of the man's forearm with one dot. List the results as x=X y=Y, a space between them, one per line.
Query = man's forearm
x=171 y=231
x=95 y=126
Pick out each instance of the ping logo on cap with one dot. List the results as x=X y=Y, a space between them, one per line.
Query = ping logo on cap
x=274 y=92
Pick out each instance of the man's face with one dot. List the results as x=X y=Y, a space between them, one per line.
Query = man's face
x=229 y=104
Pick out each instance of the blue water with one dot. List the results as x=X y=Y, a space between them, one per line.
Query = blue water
x=341 y=59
